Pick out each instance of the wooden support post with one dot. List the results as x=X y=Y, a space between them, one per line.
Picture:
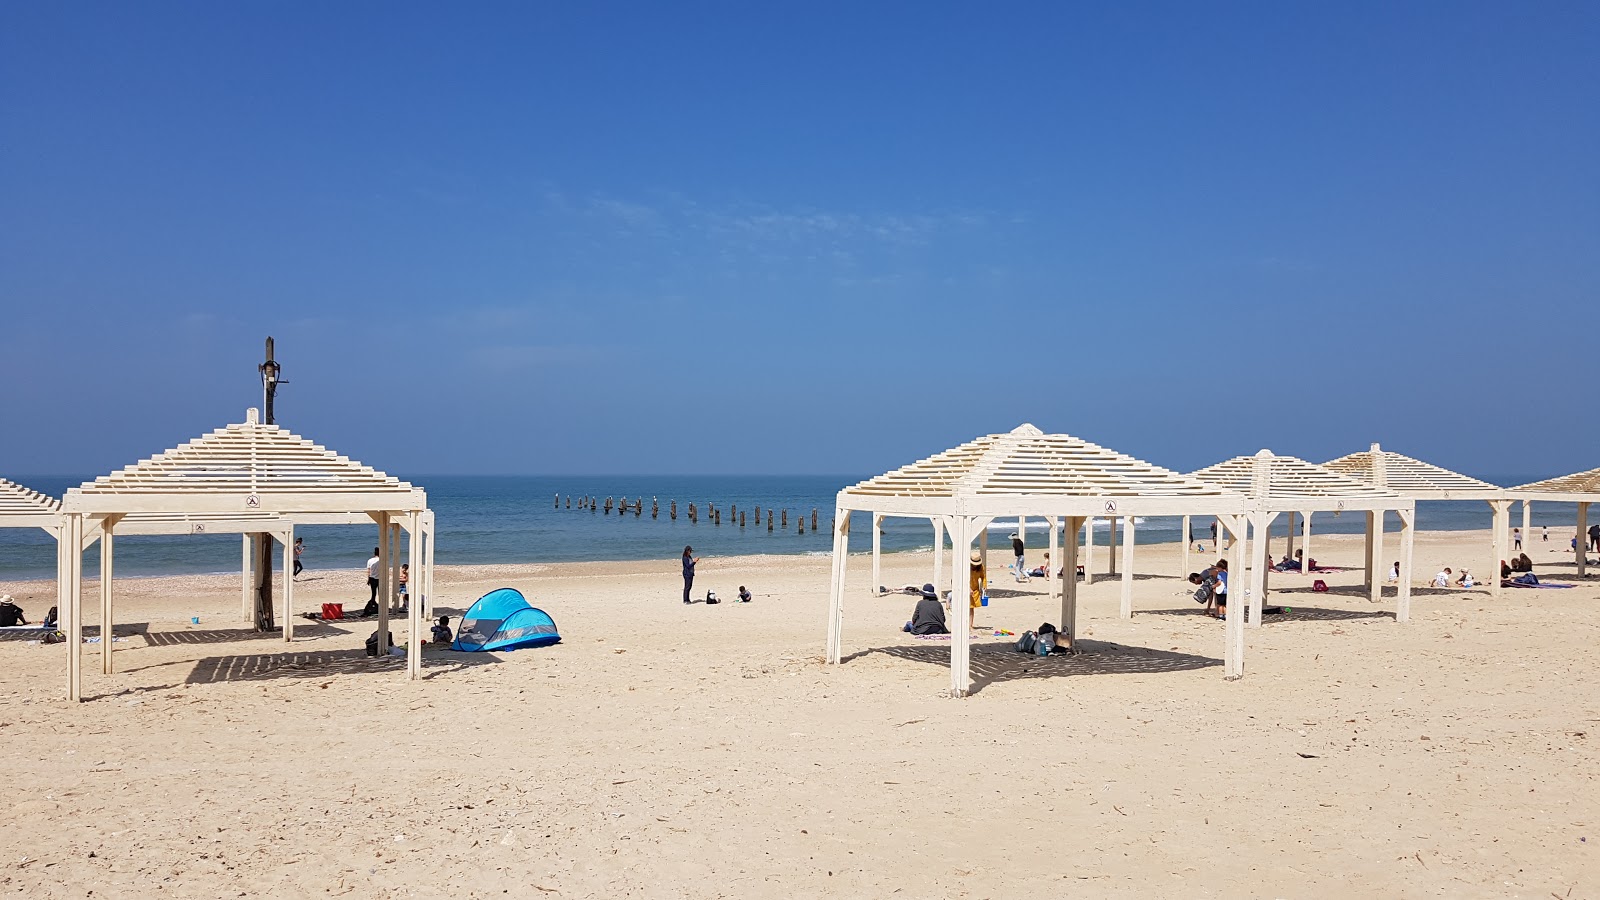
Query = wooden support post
x=1375 y=590
x=1069 y=583
x=1088 y=550
x=1583 y=541
x=72 y=612
x=1500 y=520
x=938 y=552
x=1053 y=558
x=261 y=551
x=1305 y=543
x=841 y=550
x=1260 y=558
x=106 y=618
x=384 y=584
x=1527 y=522
x=1367 y=567
x=1111 y=543
x=414 y=616
x=877 y=551
x=1289 y=550
x=1188 y=544
x=960 y=600
x=248 y=577
x=1408 y=533
x=1127 y=569
x=288 y=585
x=1236 y=602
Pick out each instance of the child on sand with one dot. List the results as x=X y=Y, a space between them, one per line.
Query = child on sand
x=441 y=631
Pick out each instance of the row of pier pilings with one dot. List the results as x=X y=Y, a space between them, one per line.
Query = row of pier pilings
x=712 y=513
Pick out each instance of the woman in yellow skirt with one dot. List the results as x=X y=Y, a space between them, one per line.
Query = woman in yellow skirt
x=975 y=582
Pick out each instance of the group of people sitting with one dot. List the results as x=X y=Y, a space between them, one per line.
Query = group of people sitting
x=11 y=615
x=1294 y=563
x=1520 y=563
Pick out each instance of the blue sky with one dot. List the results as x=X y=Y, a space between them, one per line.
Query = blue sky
x=802 y=238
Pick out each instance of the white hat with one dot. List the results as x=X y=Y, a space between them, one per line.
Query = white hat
x=5 y=598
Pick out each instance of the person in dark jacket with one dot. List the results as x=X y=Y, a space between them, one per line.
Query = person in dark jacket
x=688 y=571
x=928 y=617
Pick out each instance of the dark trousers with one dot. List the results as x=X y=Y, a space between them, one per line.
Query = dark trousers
x=373 y=583
x=297 y=567
x=688 y=583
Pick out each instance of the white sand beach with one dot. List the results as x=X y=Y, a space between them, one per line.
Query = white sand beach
x=670 y=751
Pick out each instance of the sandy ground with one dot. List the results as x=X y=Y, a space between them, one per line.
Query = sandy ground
x=672 y=751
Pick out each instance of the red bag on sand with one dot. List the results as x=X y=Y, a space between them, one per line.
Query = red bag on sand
x=1319 y=586
x=332 y=611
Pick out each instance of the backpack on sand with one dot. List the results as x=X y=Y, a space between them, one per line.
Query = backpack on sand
x=1028 y=642
x=1319 y=586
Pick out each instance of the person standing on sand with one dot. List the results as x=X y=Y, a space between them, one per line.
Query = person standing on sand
x=975 y=588
x=1214 y=532
x=1516 y=538
x=299 y=548
x=688 y=571
x=372 y=575
x=1019 y=549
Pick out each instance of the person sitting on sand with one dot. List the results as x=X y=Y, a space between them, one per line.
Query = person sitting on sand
x=928 y=617
x=1527 y=564
x=1394 y=571
x=1507 y=568
x=1466 y=579
x=10 y=613
x=744 y=594
x=441 y=631
x=1442 y=579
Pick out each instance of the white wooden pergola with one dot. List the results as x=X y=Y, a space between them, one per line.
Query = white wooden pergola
x=246 y=478
x=22 y=507
x=1280 y=484
x=1414 y=479
x=1582 y=488
x=1024 y=472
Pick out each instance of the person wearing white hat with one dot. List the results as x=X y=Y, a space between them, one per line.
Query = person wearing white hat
x=975 y=583
x=10 y=613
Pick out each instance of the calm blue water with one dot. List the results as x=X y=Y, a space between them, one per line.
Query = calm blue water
x=511 y=519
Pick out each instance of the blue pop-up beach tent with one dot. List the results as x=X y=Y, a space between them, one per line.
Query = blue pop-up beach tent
x=503 y=620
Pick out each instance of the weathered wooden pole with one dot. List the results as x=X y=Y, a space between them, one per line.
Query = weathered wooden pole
x=638 y=507
x=813 y=518
x=785 y=520
x=558 y=499
x=802 y=520
x=758 y=514
x=674 y=511
x=769 y=520
x=741 y=520
x=655 y=508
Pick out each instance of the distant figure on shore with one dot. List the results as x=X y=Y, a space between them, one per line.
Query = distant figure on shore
x=405 y=579
x=1018 y=549
x=1214 y=534
x=1442 y=579
x=299 y=550
x=1516 y=540
x=1594 y=537
x=928 y=616
x=975 y=582
x=10 y=613
x=372 y=575
x=689 y=562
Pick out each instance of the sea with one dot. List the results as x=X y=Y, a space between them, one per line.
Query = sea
x=493 y=519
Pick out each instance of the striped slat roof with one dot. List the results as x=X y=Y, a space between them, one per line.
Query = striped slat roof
x=1576 y=483
x=1266 y=476
x=1411 y=477
x=247 y=457
x=16 y=500
x=1026 y=461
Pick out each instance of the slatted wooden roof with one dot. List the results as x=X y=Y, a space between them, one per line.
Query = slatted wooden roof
x=245 y=468
x=21 y=507
x=1026 y=470
x=1290 y=484
x=1412 y=477
x=1579 y=487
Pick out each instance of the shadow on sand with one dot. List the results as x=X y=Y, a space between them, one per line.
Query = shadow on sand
x=994 y=661
x=322 y=664
x=303 y=629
